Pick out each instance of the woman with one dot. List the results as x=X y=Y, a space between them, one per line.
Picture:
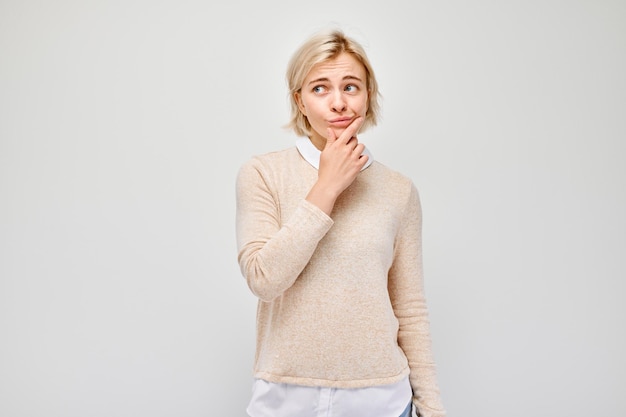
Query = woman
x=330 y=242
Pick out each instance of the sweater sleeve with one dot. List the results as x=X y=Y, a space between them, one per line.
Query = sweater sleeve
x=406 y=291
x=273 y=251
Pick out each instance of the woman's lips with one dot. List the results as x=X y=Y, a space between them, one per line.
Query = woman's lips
x=341 y=122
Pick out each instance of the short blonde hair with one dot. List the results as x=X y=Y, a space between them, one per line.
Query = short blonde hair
x=321 y=47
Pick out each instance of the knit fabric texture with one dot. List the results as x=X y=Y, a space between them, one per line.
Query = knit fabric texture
x=341 y=298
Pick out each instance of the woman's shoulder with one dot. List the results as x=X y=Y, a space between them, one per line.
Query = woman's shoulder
x=271 y=160
x=393 y=178
x=393 y=186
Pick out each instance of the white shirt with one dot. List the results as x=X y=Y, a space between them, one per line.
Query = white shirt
x=285 y=400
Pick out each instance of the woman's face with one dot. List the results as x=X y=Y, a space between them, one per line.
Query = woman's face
x=333 y=94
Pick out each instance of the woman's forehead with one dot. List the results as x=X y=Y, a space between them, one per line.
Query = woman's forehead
x=340 y=66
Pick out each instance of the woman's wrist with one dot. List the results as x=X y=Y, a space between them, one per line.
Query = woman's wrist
x=323 y=197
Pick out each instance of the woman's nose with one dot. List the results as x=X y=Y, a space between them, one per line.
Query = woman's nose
x=338 y=102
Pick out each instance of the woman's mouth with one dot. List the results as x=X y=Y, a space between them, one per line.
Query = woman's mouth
x=341 y=122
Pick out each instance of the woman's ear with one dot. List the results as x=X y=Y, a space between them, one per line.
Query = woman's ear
x=298 y=97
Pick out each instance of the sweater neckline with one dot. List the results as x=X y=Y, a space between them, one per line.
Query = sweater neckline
x=312 y=155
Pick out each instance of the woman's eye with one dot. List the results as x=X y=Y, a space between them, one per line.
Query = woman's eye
x=351 y=88
x=318 y=89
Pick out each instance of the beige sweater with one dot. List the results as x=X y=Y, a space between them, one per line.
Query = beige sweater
x=341 y=299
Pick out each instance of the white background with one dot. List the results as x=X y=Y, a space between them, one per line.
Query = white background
x=122 y=127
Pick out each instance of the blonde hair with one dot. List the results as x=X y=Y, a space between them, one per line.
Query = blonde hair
x=321 y=47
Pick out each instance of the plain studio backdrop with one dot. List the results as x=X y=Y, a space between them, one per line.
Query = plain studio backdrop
x=123 y=125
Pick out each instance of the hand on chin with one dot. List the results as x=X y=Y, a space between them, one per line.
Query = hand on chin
x=337 y=131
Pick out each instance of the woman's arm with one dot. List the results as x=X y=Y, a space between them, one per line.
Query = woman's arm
x=271 y=254
x=406 y=291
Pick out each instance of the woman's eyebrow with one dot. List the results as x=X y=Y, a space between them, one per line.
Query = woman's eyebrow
x=319 y=80
x=324 y=79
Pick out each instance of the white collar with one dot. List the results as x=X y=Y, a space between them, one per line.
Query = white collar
x=312 y=155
